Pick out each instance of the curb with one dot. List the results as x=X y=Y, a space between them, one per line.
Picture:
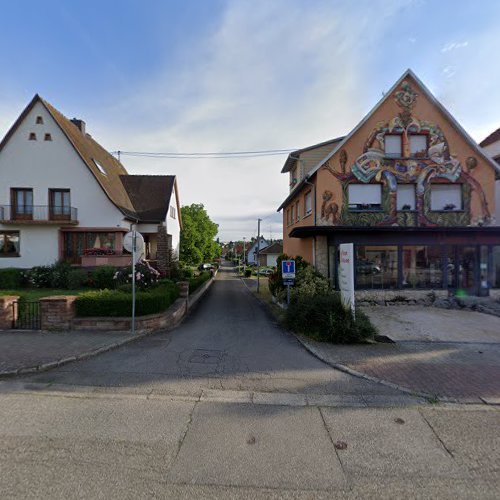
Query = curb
x=26 y=370
x=343 y=368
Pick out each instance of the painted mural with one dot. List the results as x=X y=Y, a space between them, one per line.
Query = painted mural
x=436 y=163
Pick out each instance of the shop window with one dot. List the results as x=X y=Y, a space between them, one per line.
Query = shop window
x=422 y=267
x=393 y=145
x=365 y=196
x=376 y=266
x=418 y=146
x=308 y=203
x=406 y=197
x=9 y=243
x=446 y=197
x=495 y=271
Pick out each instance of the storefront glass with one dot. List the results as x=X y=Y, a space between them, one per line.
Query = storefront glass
x=422 y=267
x=376 y=266
x=495 y=272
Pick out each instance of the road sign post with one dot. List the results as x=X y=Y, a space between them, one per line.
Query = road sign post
x=288 y=274
x=134 y=242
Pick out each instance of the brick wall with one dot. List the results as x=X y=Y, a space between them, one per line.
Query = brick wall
x=57 y=313
x=163 y=250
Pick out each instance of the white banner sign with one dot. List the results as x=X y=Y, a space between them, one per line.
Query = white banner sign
x=346 y=275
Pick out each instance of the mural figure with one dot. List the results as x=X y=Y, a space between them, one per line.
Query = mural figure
x=329 y=208
x=420 y=168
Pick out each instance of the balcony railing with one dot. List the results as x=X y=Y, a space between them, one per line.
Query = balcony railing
x=34 y=214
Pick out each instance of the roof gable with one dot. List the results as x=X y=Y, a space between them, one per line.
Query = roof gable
x=492 y=138
x=388 y=95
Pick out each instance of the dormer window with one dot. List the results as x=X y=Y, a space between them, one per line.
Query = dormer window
x=32 y=136
x=418 y=146
x=393 y=145
x=47 y=137
x=39 y=120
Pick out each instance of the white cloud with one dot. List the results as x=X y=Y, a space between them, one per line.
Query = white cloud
x=453 y=46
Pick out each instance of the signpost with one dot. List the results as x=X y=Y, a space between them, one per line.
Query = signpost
x=134 y=242
x=288 y=273
x=346 y=275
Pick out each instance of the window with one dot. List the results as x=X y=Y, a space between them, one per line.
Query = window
x=308 y=203
x=59 y=204
x=47 y=137
x=297 y=210
x=406 y=197
x=376 y=266
x=32 y=136
x=39 y=120
x=294 y=180
x=365 y=196
x=422 y=267
x=447 y=197
x=418 y=146
x=22 y=203
x=393 y=145
x=292 y=214
x=172 y=212
x=9 y=244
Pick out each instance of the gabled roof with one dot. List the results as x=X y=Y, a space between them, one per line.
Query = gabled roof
x=150 y=195
x=316 y=152
x=430 y=96
x=274 y=248
x=493 y=137
x=89 y=151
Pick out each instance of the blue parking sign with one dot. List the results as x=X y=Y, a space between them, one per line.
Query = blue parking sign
x=288 y=269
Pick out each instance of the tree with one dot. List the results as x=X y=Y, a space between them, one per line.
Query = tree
x=198 y=236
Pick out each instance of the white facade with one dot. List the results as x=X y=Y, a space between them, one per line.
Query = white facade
x=173 y=223
x=252 y=252
x=49 y=164
x=493 y=150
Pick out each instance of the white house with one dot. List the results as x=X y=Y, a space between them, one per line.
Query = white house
x=252 y=252
x=269 y=256
x=64 y=197
x=491 y=145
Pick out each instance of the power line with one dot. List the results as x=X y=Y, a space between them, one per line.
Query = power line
x=204 y=155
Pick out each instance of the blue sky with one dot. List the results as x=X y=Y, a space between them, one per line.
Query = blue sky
x=214 y=75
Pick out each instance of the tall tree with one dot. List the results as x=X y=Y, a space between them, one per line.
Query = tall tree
x=198 y=236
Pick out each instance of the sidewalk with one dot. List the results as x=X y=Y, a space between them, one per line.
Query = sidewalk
x=31 y=351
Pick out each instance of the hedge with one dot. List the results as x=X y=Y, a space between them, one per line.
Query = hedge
x=113 y=303
x=11 y=278
x=195 y=283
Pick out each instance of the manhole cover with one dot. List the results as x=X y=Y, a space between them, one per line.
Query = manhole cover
x=208 y=356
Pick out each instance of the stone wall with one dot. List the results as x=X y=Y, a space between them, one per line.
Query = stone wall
x=321 y=260
x=57 y=312
x=7 y=311
x=384 y=297
x=163 y=250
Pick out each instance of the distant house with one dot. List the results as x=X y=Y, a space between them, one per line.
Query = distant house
x=270 y=254
x=410 y=189
x=64 y=197
x=491 y=145
x=252 y=252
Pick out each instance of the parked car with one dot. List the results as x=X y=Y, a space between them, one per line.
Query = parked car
x=368 y=268
x=205 y=267
x=266 y=271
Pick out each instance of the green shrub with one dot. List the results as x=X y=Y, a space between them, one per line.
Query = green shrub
x=76 y=278
x=248 y=273
x=59 y=273
x=145 y=276
x=41 y=276
x=195 y=283
x=113 y=303
x=103 y=277
x=11 y=278
x=324 y=318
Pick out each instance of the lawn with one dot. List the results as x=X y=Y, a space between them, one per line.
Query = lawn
x=38 y=293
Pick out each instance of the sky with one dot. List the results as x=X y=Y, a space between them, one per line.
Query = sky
x=192 y=76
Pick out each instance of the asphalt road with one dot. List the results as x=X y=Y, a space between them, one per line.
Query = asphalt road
x=229 y=406
x=228 y=342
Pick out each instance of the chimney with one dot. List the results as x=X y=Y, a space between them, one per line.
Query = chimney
x=80 y=124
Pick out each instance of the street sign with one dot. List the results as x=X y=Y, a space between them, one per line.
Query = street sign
x=346 y=275
x=128 y=244
x=288 y=269
x=288 y=282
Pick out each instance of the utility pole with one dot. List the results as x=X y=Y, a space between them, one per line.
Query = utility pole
x=244 y=260
x=258 y=251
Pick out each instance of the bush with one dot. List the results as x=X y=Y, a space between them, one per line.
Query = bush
x=11 y=278
x=41 y=276
x=248 y=273
x=145 y=276
x=76 y=278
x=114 y=303
x=324 y=318
x=103 y=277
x=195 y=283
x=59 y=273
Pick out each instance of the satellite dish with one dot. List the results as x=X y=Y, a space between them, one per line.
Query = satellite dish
x=128 y=244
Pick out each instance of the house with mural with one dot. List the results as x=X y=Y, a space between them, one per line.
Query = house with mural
x=491 y=146
x=64 y=197
x=410 y=189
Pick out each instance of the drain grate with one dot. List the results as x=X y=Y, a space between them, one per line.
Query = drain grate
x=207 y=356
